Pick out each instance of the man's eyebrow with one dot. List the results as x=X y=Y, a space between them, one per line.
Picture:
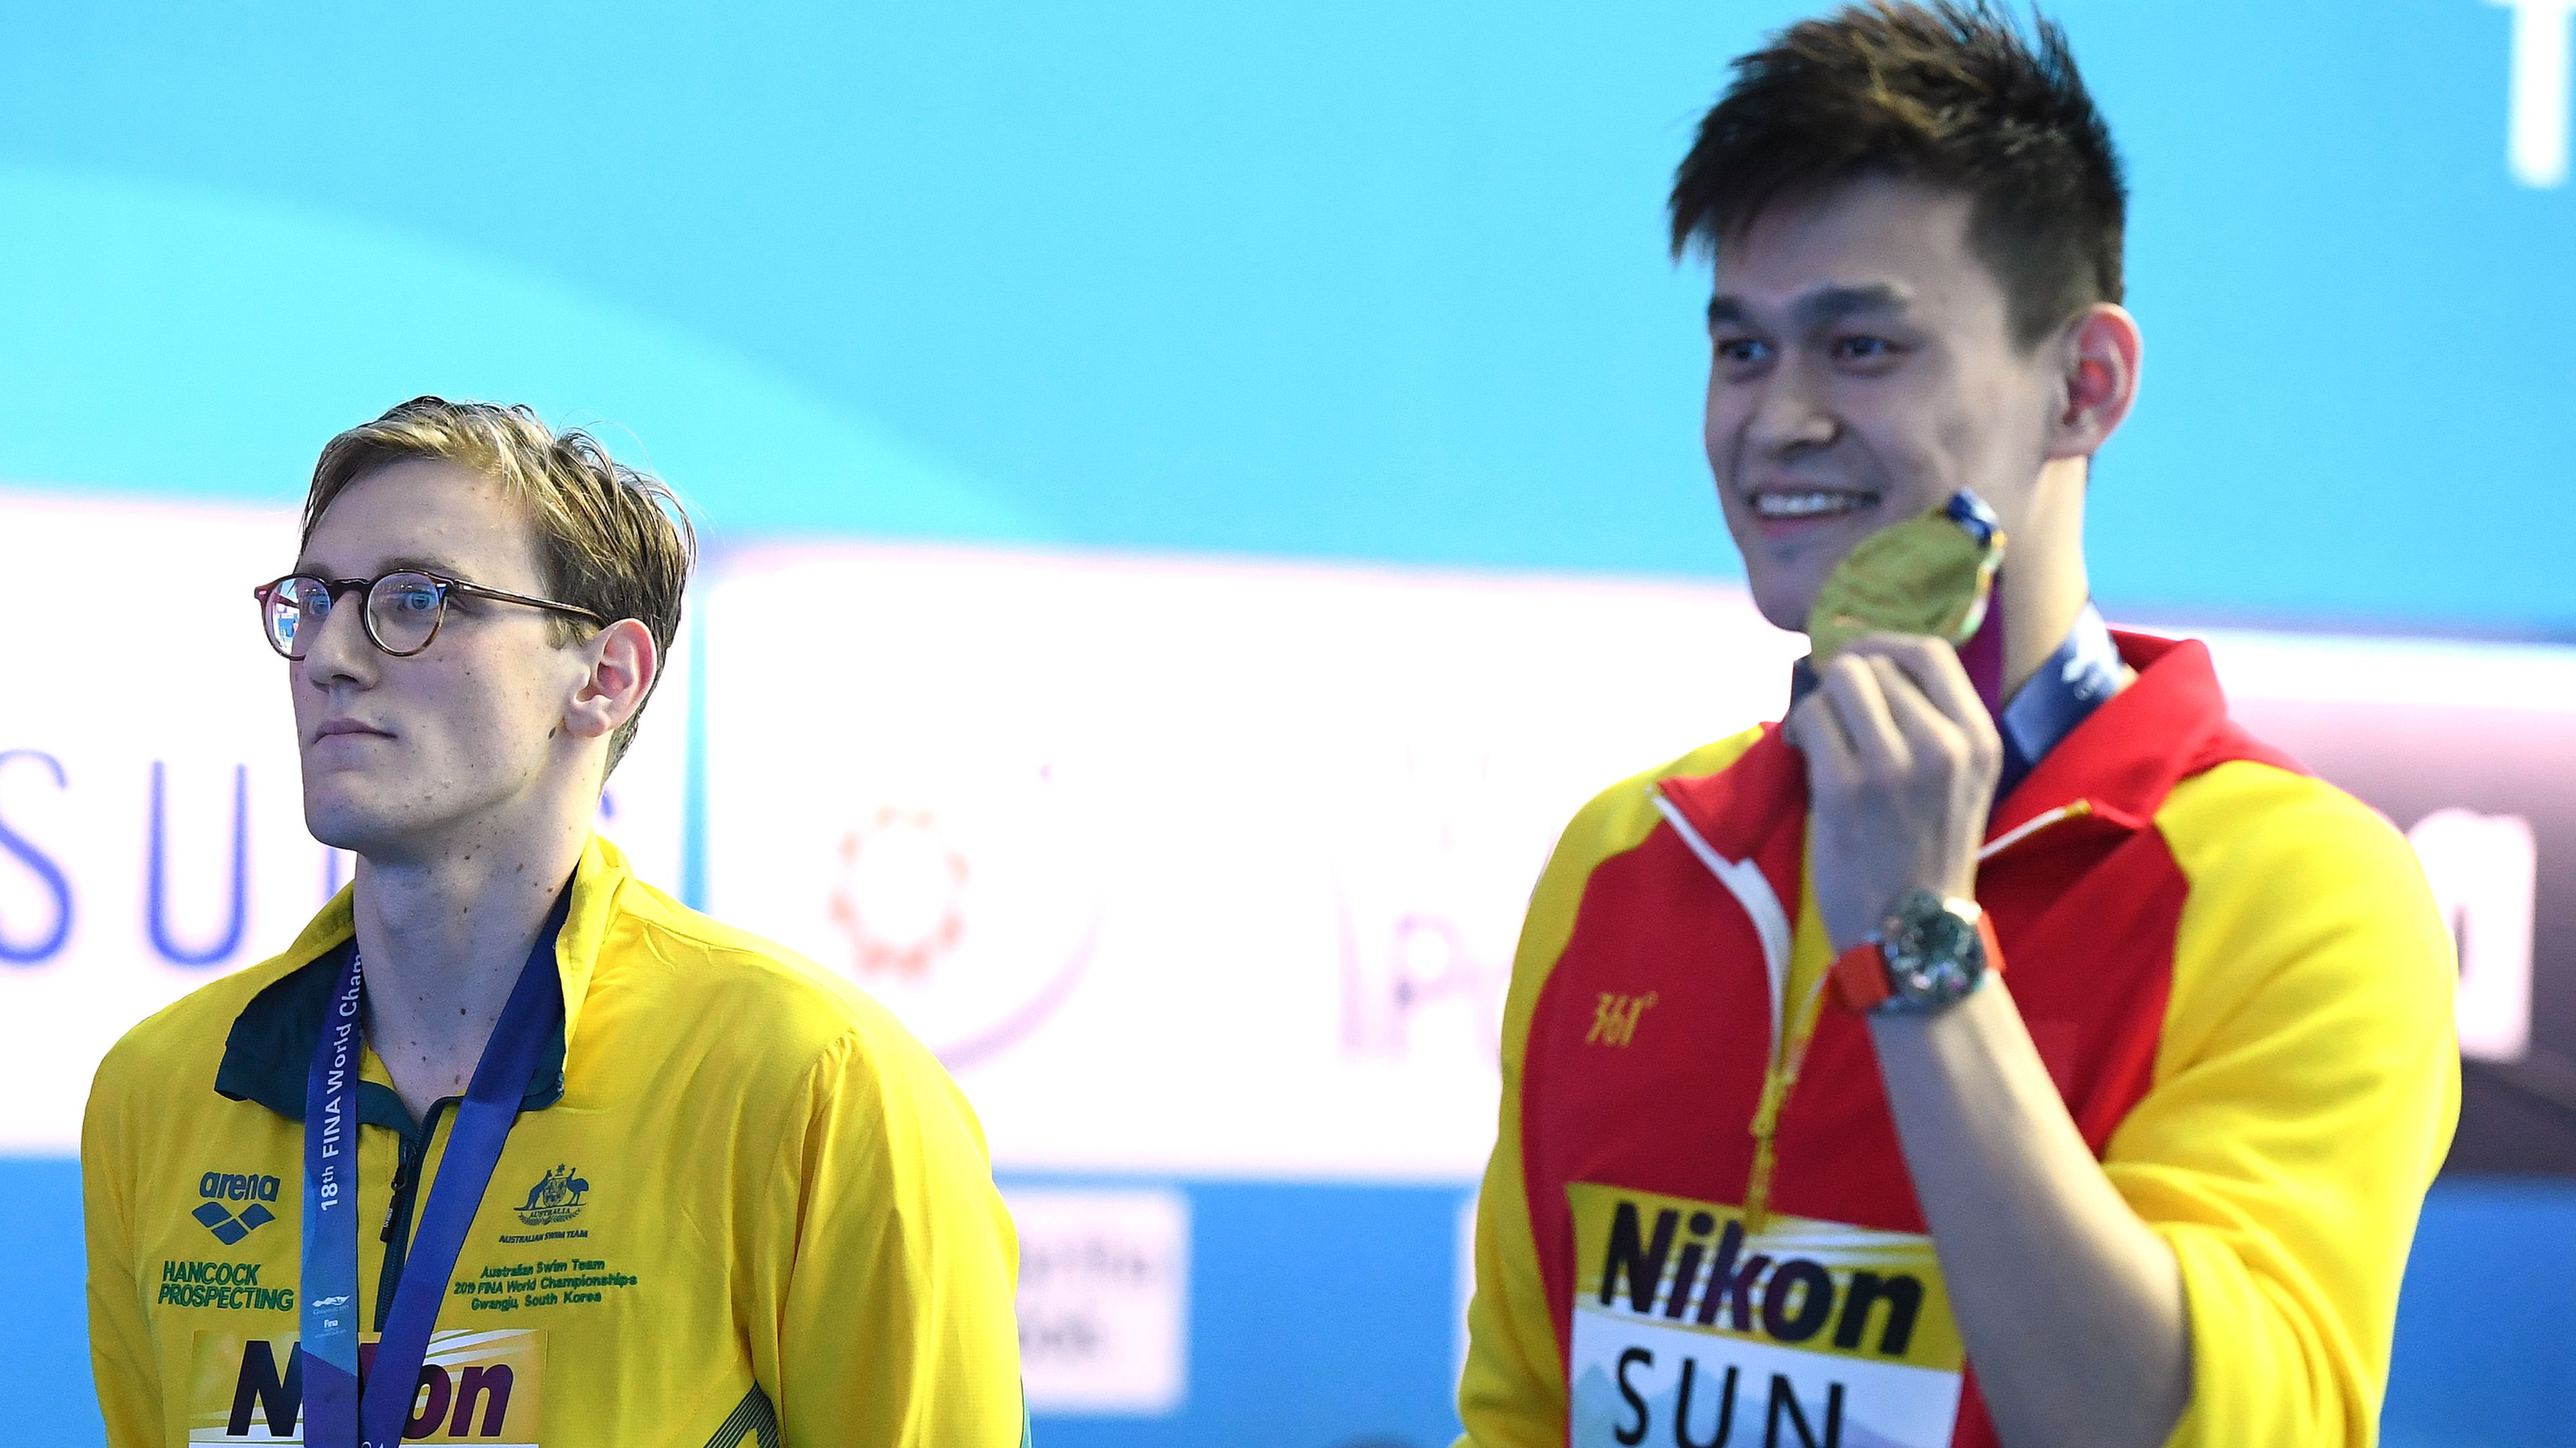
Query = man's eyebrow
x=399 y=563
x=420 y=563
x=1826 y=304
x=1832 y=304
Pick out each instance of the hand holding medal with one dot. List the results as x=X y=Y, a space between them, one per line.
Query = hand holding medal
x=1902 y=750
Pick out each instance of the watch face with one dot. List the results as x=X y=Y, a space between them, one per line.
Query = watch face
x=1934 y=954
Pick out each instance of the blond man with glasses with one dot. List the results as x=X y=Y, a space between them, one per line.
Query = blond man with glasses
x=509 y=1146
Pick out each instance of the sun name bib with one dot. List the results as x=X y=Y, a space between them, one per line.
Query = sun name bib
x=475 y=1387
x=1687 y=1329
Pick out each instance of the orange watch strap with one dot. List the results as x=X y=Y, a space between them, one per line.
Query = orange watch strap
x=1860 y=978
x=1860 y=973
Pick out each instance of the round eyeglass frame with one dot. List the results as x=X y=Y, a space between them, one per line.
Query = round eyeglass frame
x=269 y=594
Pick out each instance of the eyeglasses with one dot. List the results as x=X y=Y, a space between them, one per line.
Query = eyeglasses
x=404 y=609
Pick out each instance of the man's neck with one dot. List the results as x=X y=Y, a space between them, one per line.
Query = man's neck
x=2043 y=585
x=2035 y=626
x=444 y=939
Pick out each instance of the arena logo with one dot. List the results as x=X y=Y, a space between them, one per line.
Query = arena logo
x=220 y=1187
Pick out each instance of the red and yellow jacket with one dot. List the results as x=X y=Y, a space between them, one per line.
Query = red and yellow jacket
x=2234 y=972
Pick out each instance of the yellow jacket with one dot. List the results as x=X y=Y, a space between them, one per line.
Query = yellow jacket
x=2234 y=972
x=741 y=1205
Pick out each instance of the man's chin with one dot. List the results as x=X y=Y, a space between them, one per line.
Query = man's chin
x=348 y=824
x=1782 y=604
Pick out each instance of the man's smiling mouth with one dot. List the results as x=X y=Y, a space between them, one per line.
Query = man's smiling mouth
x=1789 y=505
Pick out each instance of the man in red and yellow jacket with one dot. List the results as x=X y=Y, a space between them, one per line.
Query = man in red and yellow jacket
x=2034 y=1059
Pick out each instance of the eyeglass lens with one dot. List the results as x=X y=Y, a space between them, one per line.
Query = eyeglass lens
x=402 y=613
x=402 y=610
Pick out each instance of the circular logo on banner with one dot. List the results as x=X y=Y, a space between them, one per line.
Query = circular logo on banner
x=901 y=899
x=967 y=908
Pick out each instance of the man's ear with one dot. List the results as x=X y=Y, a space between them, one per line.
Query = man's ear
x=624 y=661
x=2099 y=353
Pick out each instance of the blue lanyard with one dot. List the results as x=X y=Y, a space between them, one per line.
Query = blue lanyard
x=2062 y=693
x=334 y=1409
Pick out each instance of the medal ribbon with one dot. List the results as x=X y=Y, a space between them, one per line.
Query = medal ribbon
x=336 y=1405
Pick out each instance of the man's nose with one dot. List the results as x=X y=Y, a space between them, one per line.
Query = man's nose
x=1791 y=413
x=338 y=647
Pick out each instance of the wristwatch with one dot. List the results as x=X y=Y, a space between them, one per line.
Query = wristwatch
x=1930 y=951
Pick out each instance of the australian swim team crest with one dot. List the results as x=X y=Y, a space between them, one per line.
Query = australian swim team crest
x=557 y=1197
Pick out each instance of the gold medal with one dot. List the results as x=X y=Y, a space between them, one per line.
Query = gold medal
x=1927 y=575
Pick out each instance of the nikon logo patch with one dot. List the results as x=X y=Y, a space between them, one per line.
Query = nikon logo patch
x=475 y=1387
x=1688 y=1329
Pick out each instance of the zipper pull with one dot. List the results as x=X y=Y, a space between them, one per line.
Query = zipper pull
x=1757 y=1192
x=1766 y=1121
x=1766 y=1115
x=1777 y=1083
x=403 y=1166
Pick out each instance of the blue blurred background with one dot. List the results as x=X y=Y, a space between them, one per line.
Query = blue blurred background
x=1377 y=281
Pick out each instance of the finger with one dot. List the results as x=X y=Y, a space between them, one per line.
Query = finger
x=1853 y=687
x=1818 y=734
x=1925 y=729
x=1934 y=668
x=1970 y=744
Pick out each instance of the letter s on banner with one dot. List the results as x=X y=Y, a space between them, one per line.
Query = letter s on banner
x=49 y=876
x=2485 y=875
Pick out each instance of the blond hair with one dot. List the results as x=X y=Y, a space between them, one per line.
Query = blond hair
x=610 y=538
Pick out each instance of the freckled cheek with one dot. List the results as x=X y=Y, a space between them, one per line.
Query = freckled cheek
x=454 y=700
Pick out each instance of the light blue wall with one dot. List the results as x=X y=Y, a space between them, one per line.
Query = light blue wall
x=1376 y=280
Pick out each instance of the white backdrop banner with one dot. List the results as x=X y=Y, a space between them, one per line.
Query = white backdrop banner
x=1184 y=867
x=1189 y=866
